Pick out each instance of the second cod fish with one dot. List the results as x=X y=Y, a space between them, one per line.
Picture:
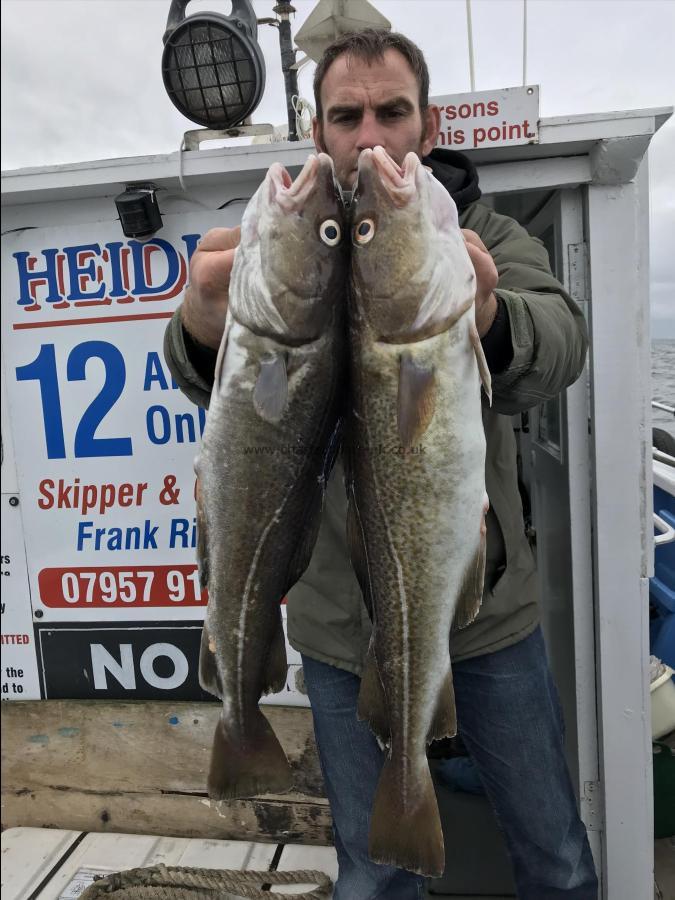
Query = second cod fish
x=271 y=435
x=416 y=481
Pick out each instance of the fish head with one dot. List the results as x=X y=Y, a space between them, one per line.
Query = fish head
x=411 y=272
x=294 y=235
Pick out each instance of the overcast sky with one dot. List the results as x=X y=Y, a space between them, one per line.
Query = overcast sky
x=81 y=79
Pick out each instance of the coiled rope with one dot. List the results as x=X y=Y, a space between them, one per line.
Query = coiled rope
x=188 y=883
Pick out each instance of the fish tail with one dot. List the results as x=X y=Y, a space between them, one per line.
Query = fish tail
x=249 y=765
x=405 y=828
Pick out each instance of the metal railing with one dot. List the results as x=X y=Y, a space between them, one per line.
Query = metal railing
x=666 y=531
x=656 y=404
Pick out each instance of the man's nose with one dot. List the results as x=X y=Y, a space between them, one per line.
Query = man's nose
x=370 y=134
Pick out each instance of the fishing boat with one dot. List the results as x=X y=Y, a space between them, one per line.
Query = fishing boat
x=107 y=734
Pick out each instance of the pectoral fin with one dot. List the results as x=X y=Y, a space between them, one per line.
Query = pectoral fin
x=270 y=394
x=485 y=376
x=416 y=399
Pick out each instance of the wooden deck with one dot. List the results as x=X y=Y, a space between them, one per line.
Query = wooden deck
x=122 y=784
x=56 y=864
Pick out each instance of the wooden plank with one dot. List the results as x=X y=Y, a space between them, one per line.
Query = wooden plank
x=112 y=746
x=170 y=815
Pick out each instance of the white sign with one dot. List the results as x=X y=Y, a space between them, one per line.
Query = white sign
x=479 y=120
x=19 y=664
x=104 y=441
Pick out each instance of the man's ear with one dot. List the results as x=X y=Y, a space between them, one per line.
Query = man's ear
x=317 y=134
x=431 y=119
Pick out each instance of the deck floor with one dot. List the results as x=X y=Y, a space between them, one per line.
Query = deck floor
x=52 y=864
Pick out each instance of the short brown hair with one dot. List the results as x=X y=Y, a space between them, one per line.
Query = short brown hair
x=370 y=45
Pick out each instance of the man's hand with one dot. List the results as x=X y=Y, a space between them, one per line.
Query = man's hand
x=206 y=297
x=486 y=281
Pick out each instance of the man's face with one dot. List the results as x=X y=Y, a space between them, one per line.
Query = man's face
x=369 y=104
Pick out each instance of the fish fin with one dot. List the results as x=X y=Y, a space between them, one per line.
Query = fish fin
x=202 y=538
x=249 y=765
x=312 y=513
x=270 y=394
x=306 y=543
x=209 y=676
x=306 y=539
x=276 y=668
x=405 y=827
x=444 y=723
x=416 y=399
x=358 y=553
x=372 y=707
x=471 y=592
x=483 y=369
x=332 y=451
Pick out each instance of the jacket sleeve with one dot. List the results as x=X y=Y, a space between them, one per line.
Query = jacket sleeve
x=181 y=361
x=548 y=331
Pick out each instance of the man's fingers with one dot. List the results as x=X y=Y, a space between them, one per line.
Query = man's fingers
x=476 y=253
x=220 y=239
x=212 y=261
x=472 y=238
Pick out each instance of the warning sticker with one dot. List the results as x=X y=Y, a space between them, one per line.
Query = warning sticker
x=81 y=880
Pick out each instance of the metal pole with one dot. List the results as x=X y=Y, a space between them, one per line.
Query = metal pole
x=470 y=36
x=284 y=9
x=524 y=42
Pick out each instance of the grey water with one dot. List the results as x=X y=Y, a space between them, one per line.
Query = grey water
x=663 y=383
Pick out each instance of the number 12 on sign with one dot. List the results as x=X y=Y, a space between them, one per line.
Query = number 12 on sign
x=43 y=370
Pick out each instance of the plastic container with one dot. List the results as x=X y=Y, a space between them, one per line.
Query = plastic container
x=663 y=704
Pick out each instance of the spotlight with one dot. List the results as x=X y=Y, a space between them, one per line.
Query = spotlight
x=212 y=66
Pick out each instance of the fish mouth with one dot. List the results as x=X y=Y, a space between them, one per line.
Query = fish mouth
x=293 y=196
x=378 y=171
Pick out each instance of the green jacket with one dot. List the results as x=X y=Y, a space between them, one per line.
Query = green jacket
x=327 y=619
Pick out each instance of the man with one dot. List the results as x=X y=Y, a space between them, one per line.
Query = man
x=372 y=89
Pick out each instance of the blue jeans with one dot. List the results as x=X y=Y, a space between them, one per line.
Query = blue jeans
x=510 y=720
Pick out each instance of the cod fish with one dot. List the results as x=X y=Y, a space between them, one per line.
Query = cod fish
x=415 y=481
x=271 y=436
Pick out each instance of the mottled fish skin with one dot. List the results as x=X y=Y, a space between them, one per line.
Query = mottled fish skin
x=415 y=479
x=269 y=443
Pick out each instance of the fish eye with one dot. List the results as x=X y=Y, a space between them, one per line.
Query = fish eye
x=330 y=232
x=364 y=231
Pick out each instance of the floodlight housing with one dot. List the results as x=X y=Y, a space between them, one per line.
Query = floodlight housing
x=212 y=66
x=332 y=18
